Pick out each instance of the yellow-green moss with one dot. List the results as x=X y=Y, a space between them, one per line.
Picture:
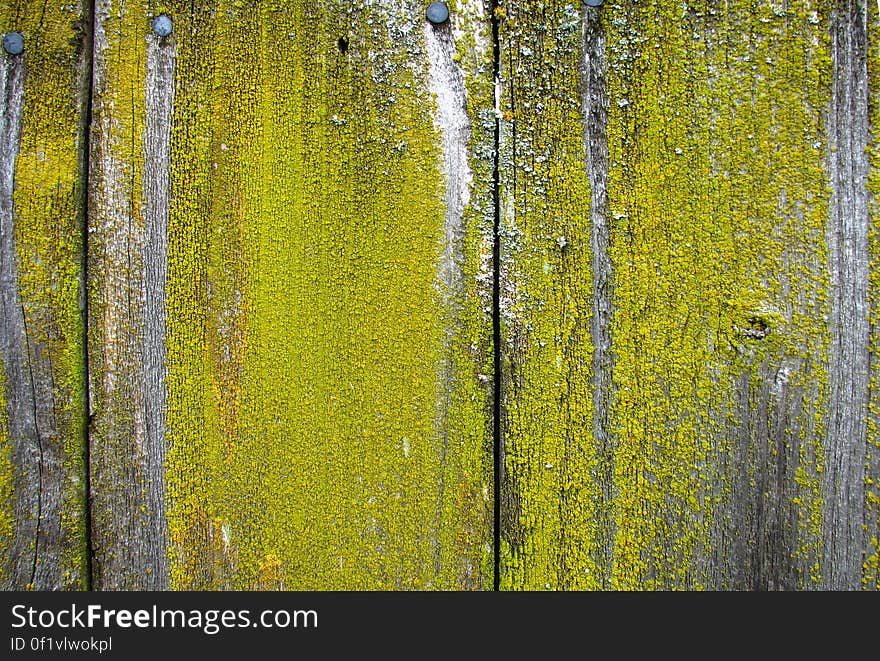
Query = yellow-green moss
x=719 y=199
x=552 y=502
x=305 y=328
x=717 y=207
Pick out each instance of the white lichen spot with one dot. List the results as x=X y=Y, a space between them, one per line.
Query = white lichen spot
x=781 y=379
x=406 y=447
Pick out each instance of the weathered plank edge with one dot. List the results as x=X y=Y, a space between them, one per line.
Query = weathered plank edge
x=126 y=272
x=595 y=110
x=24 y=436
x=847 y=237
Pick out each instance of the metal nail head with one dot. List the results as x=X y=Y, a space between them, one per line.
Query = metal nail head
x=162 y=25
x=13 y=43
x=437 y=13
x=593 y=3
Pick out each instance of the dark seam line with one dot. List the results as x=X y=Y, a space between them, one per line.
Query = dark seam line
x=85 y=164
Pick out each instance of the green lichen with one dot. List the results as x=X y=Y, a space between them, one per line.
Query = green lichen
x=719 y=196
x=552 y=518
x=48 y=234
x=305 y=327
x=468 y=558
x=717 y=205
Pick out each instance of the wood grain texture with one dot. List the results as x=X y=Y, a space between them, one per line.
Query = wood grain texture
x=871 y=574
x=686 y=316
x=291 y=218
x=42 y=412
x=553 y=505
x=133 y=90
x=288 y=293
x=849 y=260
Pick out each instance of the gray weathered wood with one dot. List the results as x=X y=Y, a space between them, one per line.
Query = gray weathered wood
x=42 y=395
x=21 y=410
x=844 y=539
x=128 y=219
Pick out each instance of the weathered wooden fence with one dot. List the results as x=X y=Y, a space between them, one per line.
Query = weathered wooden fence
x=546 y=296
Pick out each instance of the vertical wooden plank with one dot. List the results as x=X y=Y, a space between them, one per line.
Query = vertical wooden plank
x=42 y=412
x=723 y=312
x=686 y=355
x=125 y=271
x=290 y=294
x=871 y=574
x=554 y=518
x=844 y=487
